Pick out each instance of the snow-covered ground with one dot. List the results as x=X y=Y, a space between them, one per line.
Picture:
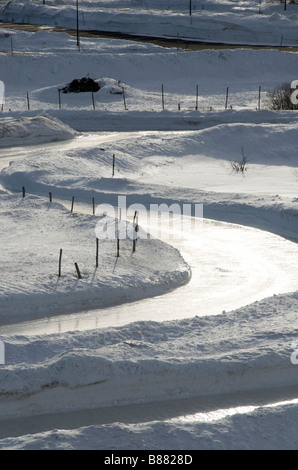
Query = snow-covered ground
x=225 y=21
x=33 y=130
x=221 y=381
x=30 y=284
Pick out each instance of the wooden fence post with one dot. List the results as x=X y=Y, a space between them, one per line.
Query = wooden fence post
x=96 y=257
x=72 y=204
x=60 y=259
x=227 y=96
x=124 y=101
x=135 y=236
x=113 y=171
x=78 y=271
x=118 y=246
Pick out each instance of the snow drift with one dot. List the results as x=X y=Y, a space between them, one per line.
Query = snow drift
x=30 y=286
x=33 y=130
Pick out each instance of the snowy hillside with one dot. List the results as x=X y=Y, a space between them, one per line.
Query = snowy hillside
x=225 y=21
x=190 y=341
x=32 y=287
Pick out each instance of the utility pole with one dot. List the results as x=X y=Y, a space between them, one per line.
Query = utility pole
x=190 y=7
x=78 y=37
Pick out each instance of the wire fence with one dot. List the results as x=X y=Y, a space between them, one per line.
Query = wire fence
x=130 y=99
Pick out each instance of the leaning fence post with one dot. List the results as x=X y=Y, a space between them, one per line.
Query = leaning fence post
x=28 y=102
x=78 y=271
x=135 y=236
x=135 y=217
x=23 y=191
x=124 y=100
x=72 y=203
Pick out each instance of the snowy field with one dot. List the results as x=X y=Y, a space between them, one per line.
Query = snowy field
x=188 y=342
x=224 y=21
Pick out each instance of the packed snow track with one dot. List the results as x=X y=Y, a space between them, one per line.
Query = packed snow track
x=232 y=265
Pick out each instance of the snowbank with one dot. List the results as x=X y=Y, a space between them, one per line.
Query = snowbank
x=242 y=70
x=49 y=61
x=251 y=429
x=33 y=130
x=245 y=350
x=35 y=231
x=195 y=165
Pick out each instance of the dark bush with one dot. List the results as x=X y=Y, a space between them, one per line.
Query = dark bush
x=81 y=85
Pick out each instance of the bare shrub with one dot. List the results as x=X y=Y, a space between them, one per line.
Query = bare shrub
x=240 y=166
x=280 y=97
